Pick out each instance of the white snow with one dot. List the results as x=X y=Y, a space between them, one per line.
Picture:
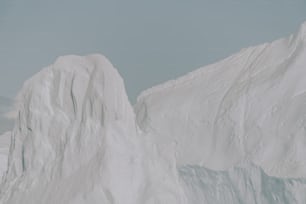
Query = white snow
x=4 y=151
x=76 y=141
x=231 y=132
x=248 y=107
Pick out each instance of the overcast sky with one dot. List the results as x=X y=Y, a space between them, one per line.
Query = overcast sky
x=148 y=41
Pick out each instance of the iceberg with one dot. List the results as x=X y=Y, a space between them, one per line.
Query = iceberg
x=230 y=132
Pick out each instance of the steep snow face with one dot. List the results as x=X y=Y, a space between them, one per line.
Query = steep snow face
x=76 y=141
x=75 y=137
x=248 y=107
x=219 y=134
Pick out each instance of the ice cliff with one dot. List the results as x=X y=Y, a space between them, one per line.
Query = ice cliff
x=231 y=132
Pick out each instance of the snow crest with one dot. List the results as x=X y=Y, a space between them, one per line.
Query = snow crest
x=75 y=139
x=231 y=132
x=249 y=107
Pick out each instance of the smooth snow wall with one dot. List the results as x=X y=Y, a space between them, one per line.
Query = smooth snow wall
x=4 y=149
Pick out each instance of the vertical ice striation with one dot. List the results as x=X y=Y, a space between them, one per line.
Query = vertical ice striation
x=76 y=141
x=75 y=137
x=231 y=132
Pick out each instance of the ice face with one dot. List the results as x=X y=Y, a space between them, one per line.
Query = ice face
x=232 y=132
x=74 y=135
x=76 y=141
x=248 y=107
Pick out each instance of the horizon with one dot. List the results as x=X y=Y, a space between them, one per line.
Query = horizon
x=148 y=42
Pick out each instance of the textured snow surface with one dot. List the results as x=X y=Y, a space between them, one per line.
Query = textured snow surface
x=76 y=141
x=231 y=132
x=248 y=107
x=247 y=184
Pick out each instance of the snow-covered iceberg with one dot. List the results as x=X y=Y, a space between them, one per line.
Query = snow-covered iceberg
x=248 y=107
x=231 y=132
x=76 y=141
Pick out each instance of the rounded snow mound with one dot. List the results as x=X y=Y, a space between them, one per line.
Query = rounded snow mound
x=75 y=138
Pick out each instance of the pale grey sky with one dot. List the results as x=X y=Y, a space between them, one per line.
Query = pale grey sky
x=148 y=41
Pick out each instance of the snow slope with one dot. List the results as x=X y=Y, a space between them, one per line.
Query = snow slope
x=231 y=132
x=248 y=107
